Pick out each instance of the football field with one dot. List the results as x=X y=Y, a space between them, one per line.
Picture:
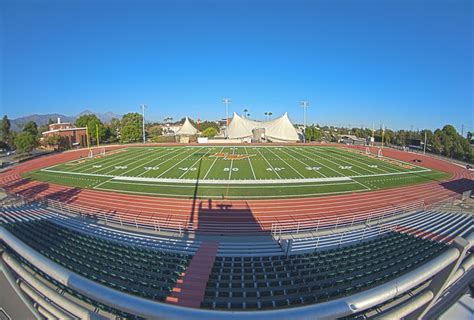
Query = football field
x=236 y=171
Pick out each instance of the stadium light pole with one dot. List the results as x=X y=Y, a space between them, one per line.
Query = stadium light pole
x=226 y=102
x=143 y=106
x=305 y=105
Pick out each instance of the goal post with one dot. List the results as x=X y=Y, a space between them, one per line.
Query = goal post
x=98 y=152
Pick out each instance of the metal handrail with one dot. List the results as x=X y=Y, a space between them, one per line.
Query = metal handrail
x=276 y=228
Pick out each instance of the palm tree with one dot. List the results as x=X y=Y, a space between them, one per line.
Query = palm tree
x=245 y=112
x=270 y=115
x=266 y=114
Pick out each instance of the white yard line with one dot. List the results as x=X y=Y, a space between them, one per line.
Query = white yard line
x=367 y=188
x=250 y=162
x=197 y=161
x=321 y=164
x=282 y=181
x=158 y=164
x=344 y=162
x=273 y=169
x=381 y=167
x=212 y=165
x=121 y=156
x=231 y=164
x=305 y=164
x=243 y=185
x=336 y=164
x=114 y=163
x=269 y=148
x=172 y=167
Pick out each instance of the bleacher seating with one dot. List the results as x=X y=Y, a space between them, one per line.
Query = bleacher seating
x=136 y=270
x=283 y=281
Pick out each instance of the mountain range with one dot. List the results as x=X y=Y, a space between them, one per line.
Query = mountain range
x=40 y=119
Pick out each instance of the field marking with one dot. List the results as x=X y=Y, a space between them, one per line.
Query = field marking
x=314 y=160
x=212 y=165
x=236 y=182
x=344 y=163
x=251 y=166
x=243 y=186
x=114 y=163
x=234 y=197
x=154 y=159
x=192 y=166
x=119 y=160
x=336 y=164
x=172 y=167
x=287 y=163
x=84 y=167
x=355 y=159
x=231 y=164
x=244 y=181
x=305 y=164
x=273 y=169
x=385 y=167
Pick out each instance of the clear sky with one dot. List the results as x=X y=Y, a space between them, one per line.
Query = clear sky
x=402 y=63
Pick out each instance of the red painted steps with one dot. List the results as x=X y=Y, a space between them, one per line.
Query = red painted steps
x=191 y=285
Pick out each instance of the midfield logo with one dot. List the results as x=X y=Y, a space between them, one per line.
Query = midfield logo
x=231 y=156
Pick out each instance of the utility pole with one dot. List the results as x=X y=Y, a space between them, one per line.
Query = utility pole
x=143 y=106
x=226 y=102
x=383 y=134
x=305 y=105
x=462 y=130
x=373 y=134
x=424 y=146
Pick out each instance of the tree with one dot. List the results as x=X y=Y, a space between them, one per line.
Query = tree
x=25 y=142
x=450 y=130
x=131 y=128
x=31 y=127
x=210 y=132
x=154 y=131
x=115 y=127
x=92 y=122
x=56 y=142
x=5 y=130
x=208 y=124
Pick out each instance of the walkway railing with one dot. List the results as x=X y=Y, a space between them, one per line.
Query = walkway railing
x=278 y=228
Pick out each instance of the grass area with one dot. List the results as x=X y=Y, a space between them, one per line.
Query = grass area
x=236 y=172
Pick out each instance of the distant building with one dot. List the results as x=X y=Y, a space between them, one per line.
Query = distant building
x=75 y=137
x=351 y=139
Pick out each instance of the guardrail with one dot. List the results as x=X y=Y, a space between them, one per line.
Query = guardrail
x=180 y=225
x=364 y=217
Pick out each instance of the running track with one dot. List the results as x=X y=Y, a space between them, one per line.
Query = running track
x=238 y=216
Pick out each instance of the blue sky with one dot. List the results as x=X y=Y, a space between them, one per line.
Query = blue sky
x=402 y=63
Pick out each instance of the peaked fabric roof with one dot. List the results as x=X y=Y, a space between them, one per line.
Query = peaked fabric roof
x=187 y=129
x=279 y=129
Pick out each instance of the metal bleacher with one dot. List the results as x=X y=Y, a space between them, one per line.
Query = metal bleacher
x=254 y=277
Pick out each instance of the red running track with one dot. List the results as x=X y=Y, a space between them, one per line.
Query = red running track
x=229 y=216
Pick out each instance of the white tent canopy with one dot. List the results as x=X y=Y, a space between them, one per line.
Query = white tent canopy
x=187 y=129
x=280 y=129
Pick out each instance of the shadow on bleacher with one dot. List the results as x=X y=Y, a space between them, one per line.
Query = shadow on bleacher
x=220 y=217
x=459 y=185
x=12 y=186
